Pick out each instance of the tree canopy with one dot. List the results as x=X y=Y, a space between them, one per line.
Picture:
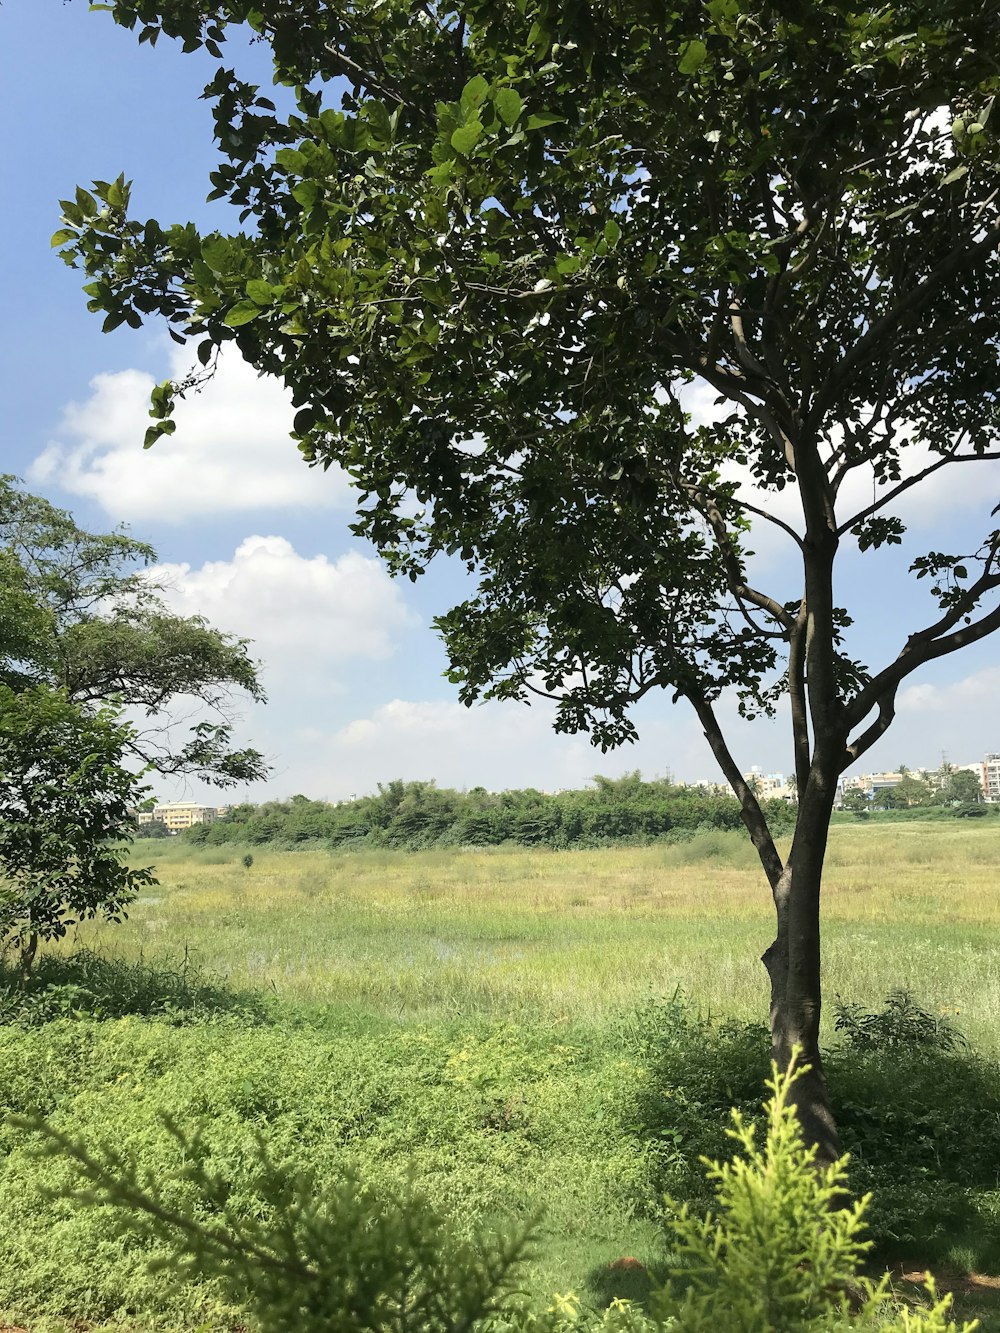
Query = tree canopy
x=66 y=818
x=488 y=246
x=79 y=612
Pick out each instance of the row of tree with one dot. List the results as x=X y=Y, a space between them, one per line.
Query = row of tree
x=421 y=814
x=947 y=787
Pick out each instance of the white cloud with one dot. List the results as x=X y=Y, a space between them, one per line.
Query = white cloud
x=230 y=452
x=952 y=490
x=306 y=617
x=976 y=694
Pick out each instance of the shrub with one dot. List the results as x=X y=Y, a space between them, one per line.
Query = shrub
x=900 y=1024
x=779 y=1255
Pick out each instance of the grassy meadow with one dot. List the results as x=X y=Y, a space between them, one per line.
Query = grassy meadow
x=576 y=935
x=513 y=1030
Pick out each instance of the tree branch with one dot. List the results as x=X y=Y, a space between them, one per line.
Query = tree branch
x=750 y=811
x=910 y=304
x=912 y=481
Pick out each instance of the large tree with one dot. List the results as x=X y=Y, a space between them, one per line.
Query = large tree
x=489 y=245
x=80 y=612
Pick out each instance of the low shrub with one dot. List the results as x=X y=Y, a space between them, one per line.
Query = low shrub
x=777 y=1255
x=90 y=985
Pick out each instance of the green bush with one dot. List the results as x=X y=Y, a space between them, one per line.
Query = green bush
x=779 y=1254
x=89 y=985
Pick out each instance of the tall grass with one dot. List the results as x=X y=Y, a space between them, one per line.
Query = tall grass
x=578 y=935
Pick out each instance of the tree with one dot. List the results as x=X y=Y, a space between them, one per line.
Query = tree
x=79 y=612
x=914 y=791
x=963 y=787
x=857 y=802
x=488 y=250
x=65 y=817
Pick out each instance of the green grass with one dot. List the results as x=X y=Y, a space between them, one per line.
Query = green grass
x=578 y=935
x=483 y=1020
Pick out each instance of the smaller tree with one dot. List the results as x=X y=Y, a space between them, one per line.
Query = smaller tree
x=857 y=802
x=963 y=787
x=81 y=612
x=66 y=818
x=914 y=790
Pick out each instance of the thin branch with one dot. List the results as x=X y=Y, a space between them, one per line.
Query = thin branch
x=920 y=648
x=750 y=811
x=912 y=481
x=910 y=304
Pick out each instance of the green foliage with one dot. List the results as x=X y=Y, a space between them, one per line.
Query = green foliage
x=88 y=985
x=79 y=612
x=779 y=1254
x=929 y=1158
x=489 y=1120
x=67 y=817
x=421 y=814
x=901 y=1023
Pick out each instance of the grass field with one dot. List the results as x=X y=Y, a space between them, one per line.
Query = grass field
x=578 y=935
x=487 y=1021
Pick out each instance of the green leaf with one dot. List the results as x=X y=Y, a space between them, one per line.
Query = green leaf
x=612 y=232
x=259 y=291
x=474 y=94
x=465 y=138
x=216 y=252
x=540 y=119
x=306 y=193
x=291 y=159
x=509 y=106
x=62 y=236
x=693 y=56
x=955 y=174
x=241 y=313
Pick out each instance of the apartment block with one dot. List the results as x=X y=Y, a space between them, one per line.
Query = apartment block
x=180 y=815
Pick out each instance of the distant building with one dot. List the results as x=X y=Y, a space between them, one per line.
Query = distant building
x=989 y=776
x=769 y=786
x=181 y=815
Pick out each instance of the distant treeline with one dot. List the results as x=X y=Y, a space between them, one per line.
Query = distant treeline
x=420 y=814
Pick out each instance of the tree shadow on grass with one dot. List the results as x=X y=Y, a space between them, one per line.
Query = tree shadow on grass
x=921 y=1124
x=86 y=984
x=633 y=1282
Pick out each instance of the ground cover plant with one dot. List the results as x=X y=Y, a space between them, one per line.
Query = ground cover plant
x=502 y=1029
x=780 y=1252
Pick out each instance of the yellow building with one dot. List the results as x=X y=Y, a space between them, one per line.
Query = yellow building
x=180 y=815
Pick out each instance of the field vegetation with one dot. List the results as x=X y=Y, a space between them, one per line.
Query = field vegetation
x=513 y=1031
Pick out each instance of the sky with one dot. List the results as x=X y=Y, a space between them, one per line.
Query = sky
x=259 y=543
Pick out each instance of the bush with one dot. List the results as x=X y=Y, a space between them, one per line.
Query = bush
x=778 y=1255
x=88 y=985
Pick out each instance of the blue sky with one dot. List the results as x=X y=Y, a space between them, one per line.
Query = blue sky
x=259 y=543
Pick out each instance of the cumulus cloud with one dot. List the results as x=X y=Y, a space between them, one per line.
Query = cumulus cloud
x=230 y=452
x=306 y=616
x=976 y=694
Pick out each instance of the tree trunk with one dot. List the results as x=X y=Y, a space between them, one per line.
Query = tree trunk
x=28 y=951
x=793 y=964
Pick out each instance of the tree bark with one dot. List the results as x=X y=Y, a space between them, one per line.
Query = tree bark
x=28 y=951
x=793 y=962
